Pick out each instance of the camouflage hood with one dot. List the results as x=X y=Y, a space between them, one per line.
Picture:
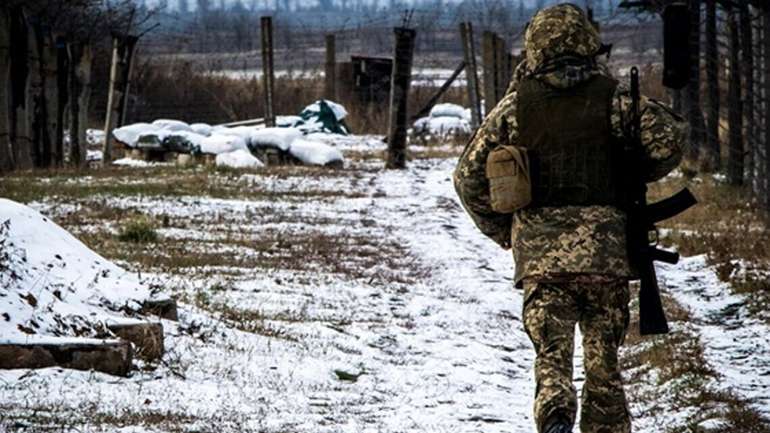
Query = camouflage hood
x=561 y=44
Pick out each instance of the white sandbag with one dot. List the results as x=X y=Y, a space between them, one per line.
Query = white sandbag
x=280 y=138
x=172 y=125
x=201 y=128
x=129 y=134
x=220 y=143
x=447 y=110
x=314 y=152
x=238 y=159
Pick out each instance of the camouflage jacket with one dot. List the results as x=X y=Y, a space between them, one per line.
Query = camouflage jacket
x=552 y=243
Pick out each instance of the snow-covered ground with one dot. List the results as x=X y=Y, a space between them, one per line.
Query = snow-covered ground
x=419 y=330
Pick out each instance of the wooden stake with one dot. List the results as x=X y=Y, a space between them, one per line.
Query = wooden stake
x=735 y=112
x=268 y=75
x=6 y=151
x=471 y=73
x=503 y=62
x=489 y=59
x=62 y=98
x=120 y=83
x=712 y=158
x=399 y=92
x=330 y=76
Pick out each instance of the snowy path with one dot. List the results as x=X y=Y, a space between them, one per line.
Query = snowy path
x=737 y=346
x=431 y=341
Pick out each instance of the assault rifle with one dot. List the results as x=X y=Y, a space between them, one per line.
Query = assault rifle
x=641 y=219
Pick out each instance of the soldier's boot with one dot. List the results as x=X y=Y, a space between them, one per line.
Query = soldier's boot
x=558 y=426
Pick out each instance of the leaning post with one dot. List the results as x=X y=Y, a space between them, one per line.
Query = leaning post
x=399 y=92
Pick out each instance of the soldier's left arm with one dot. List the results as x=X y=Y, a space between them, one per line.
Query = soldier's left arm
x=470 y=178
x=663 y=132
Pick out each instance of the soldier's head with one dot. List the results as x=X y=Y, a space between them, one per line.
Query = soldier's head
x=557 y=31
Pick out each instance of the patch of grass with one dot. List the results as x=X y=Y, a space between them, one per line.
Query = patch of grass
x=728 y=227
x=140 y=231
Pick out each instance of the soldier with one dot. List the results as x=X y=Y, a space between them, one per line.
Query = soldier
x=569 y=244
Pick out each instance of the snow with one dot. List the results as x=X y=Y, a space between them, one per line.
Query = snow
x=129 y=134
x=280 y=138
x=314 y=152
x=131 y=162
x=238 y=159
x=55 y=286
x=201 y=128
x=447 y=110
x=95 y=137
x=445 y=120
x=442 y=126
x=736 y=344
x=441 y=348
x=219 y=143
x=172 y=125
x=338 y=110
x=94 y=155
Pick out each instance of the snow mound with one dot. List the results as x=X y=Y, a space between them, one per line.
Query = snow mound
x=172 y=125
x=240 y=158
x=52 y=285
x=201 y=128
x=442 y=126
x=281 y=138
x=448 y=110
x=131 y=162
x=129 y=134
x=220 y=143
x=316 y=108
x=315 y=152
x=94 y=155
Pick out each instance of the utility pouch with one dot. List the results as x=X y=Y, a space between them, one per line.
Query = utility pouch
x=510 y=187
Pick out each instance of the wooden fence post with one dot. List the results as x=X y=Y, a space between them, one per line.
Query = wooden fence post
x=735 y=112
x=330 y=75
x=268 y=74
x=62 y=98
x=747 y=60
x=503 y=62
x=766 y=46
x=712 y=158
x=20 y=139
x=471 y=73
x=120 y=80
x=399 y=92
x=489 y=59
x=6 y=151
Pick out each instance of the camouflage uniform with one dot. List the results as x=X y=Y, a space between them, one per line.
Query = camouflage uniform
x=571 y=260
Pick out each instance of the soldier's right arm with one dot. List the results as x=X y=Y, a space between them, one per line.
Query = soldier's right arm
x=470 y=178
x=663 y=132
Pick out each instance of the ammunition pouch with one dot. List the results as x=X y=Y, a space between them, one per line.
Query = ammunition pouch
x=510 y=187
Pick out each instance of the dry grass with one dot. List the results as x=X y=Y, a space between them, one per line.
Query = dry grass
x=728 y=227
x=181 y=92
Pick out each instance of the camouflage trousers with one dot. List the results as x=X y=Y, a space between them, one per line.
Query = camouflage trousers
x=600 y=308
